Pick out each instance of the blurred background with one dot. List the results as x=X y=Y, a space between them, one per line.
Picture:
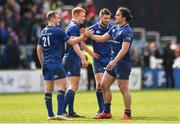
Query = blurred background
x=155 y=49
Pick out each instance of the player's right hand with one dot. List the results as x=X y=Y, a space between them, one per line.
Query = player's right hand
x=88 y=32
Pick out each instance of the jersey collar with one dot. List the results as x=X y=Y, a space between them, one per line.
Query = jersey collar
x=124 y=25
x=74 y=22
x=102 y=27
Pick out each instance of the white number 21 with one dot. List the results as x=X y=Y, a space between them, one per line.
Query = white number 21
x=46 y=41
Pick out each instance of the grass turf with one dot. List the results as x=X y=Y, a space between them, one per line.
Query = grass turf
x=148 y=106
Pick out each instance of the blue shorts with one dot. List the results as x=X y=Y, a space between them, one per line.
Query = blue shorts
x=99 y=66
x=53 y=71
x=122 y=70
x=72 y=66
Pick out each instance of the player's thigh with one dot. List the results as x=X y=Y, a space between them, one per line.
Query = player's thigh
x=107 y=80
x=61 y=83
x=98 y=78
x=49 y=86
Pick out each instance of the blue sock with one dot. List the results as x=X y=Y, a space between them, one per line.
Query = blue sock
x=67 y=99
x=107 y=108
x=100 y=100
x=48 y=102
x=71 y=102
x=60 y=99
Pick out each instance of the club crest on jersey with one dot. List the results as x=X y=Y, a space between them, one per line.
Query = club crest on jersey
x=113 y=30
x=56 y=76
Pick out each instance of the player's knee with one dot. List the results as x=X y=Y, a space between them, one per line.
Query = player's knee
x=123 y=88
x=63 y=87
x=98 y=85
x=49 y=90
x=74 y=88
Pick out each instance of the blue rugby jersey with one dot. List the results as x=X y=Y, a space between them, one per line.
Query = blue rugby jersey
x=103 y=49
x=52 y=39
x=73 y=29
x=120 y=35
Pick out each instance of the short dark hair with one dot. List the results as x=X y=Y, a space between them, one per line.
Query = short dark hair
x=104 y=11
x=51 y=14
x=126 y=13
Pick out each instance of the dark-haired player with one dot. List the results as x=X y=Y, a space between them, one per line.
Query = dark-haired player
x=119 y=67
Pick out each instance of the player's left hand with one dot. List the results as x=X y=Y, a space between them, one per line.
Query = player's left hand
x=82 y=30
x=111 y=65
x=95 y=55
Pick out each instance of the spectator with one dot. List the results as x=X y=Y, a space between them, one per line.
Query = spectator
x=168 y=60
x=13 y=52
x=155 y=56
x=146 y=56
x=177 y=60
x=90 y=12
x=3 y=33
x=135 y=57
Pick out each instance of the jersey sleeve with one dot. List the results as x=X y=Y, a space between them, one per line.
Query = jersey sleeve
x=93 y=28
x=40 y=41
x=63 y=36
x=127 y=36
x=73 y=31
x=111 y=31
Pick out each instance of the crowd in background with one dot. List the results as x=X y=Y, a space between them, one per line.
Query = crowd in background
x=22 y=20
x=20 y=24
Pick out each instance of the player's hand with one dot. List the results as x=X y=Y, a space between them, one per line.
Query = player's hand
x=111 y=65
x=88 y=32
x=82 y=30
x=84 y=37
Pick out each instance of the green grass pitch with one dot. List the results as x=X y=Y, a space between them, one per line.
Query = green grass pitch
x=148 y=106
